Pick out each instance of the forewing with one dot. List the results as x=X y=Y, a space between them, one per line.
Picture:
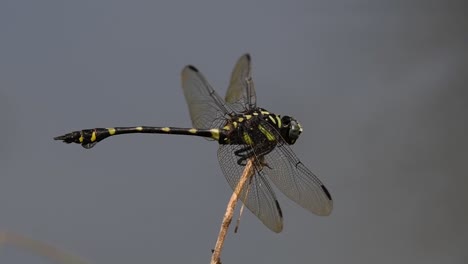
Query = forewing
x=296 y=181
x=207 y=109
x=257 y=194
x=240 y=95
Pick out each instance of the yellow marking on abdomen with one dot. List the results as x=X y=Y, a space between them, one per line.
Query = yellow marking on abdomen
x=265 y=112
x=139 y=128
x=240 y=119
x=234 y=124
x=248 y=117
x=81 y=139
x=93 y=136
x=255 y=113
x=165 y=129
x=215 y=133
x=193 y=130
x=111 y=131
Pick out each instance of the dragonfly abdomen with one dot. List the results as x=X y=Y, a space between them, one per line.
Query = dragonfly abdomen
x=89 y=137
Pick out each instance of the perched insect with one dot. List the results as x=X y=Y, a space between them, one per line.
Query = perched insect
x=243 y=131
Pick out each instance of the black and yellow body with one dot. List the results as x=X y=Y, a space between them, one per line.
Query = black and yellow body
x=245 y=129
x=89 y=137
x=244 y=132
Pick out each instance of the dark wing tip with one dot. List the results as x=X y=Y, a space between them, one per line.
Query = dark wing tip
x=325 y=190
x=279 y=209
x=191 y=67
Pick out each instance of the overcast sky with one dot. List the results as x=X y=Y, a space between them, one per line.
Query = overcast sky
x=380 y=88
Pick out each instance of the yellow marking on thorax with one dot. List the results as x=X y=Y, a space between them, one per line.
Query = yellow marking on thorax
x=247 y=139
x=227 y=127
x=193 y=130
x=255 y=113
x=215 y=133
x=272 y=119
x=267 y=133
x=165 y=129
x=265 y=112
x=139 y=128
x=111 y=131
x=234 y=124
x=279 y=121
x=93 y=136
x=248 y=117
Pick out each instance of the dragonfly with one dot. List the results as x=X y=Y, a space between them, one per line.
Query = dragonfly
x=244 y=132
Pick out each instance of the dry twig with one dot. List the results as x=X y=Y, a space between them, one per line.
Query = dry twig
x=248 y=172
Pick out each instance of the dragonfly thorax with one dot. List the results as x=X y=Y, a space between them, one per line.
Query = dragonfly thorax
x=258 y=125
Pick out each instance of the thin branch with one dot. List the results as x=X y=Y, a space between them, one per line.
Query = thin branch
x=39 y=248
x=248 y=172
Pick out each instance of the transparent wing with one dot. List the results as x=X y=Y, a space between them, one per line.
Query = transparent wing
x=257 y=194
x=240 y=95
x=295 y=180
x=207 y=109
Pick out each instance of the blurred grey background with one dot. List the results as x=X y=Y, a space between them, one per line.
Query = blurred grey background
x=379 y=86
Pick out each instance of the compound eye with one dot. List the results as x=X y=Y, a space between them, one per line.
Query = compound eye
x=294 y=131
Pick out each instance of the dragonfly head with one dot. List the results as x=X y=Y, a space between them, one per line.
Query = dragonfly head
x=290 y=129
